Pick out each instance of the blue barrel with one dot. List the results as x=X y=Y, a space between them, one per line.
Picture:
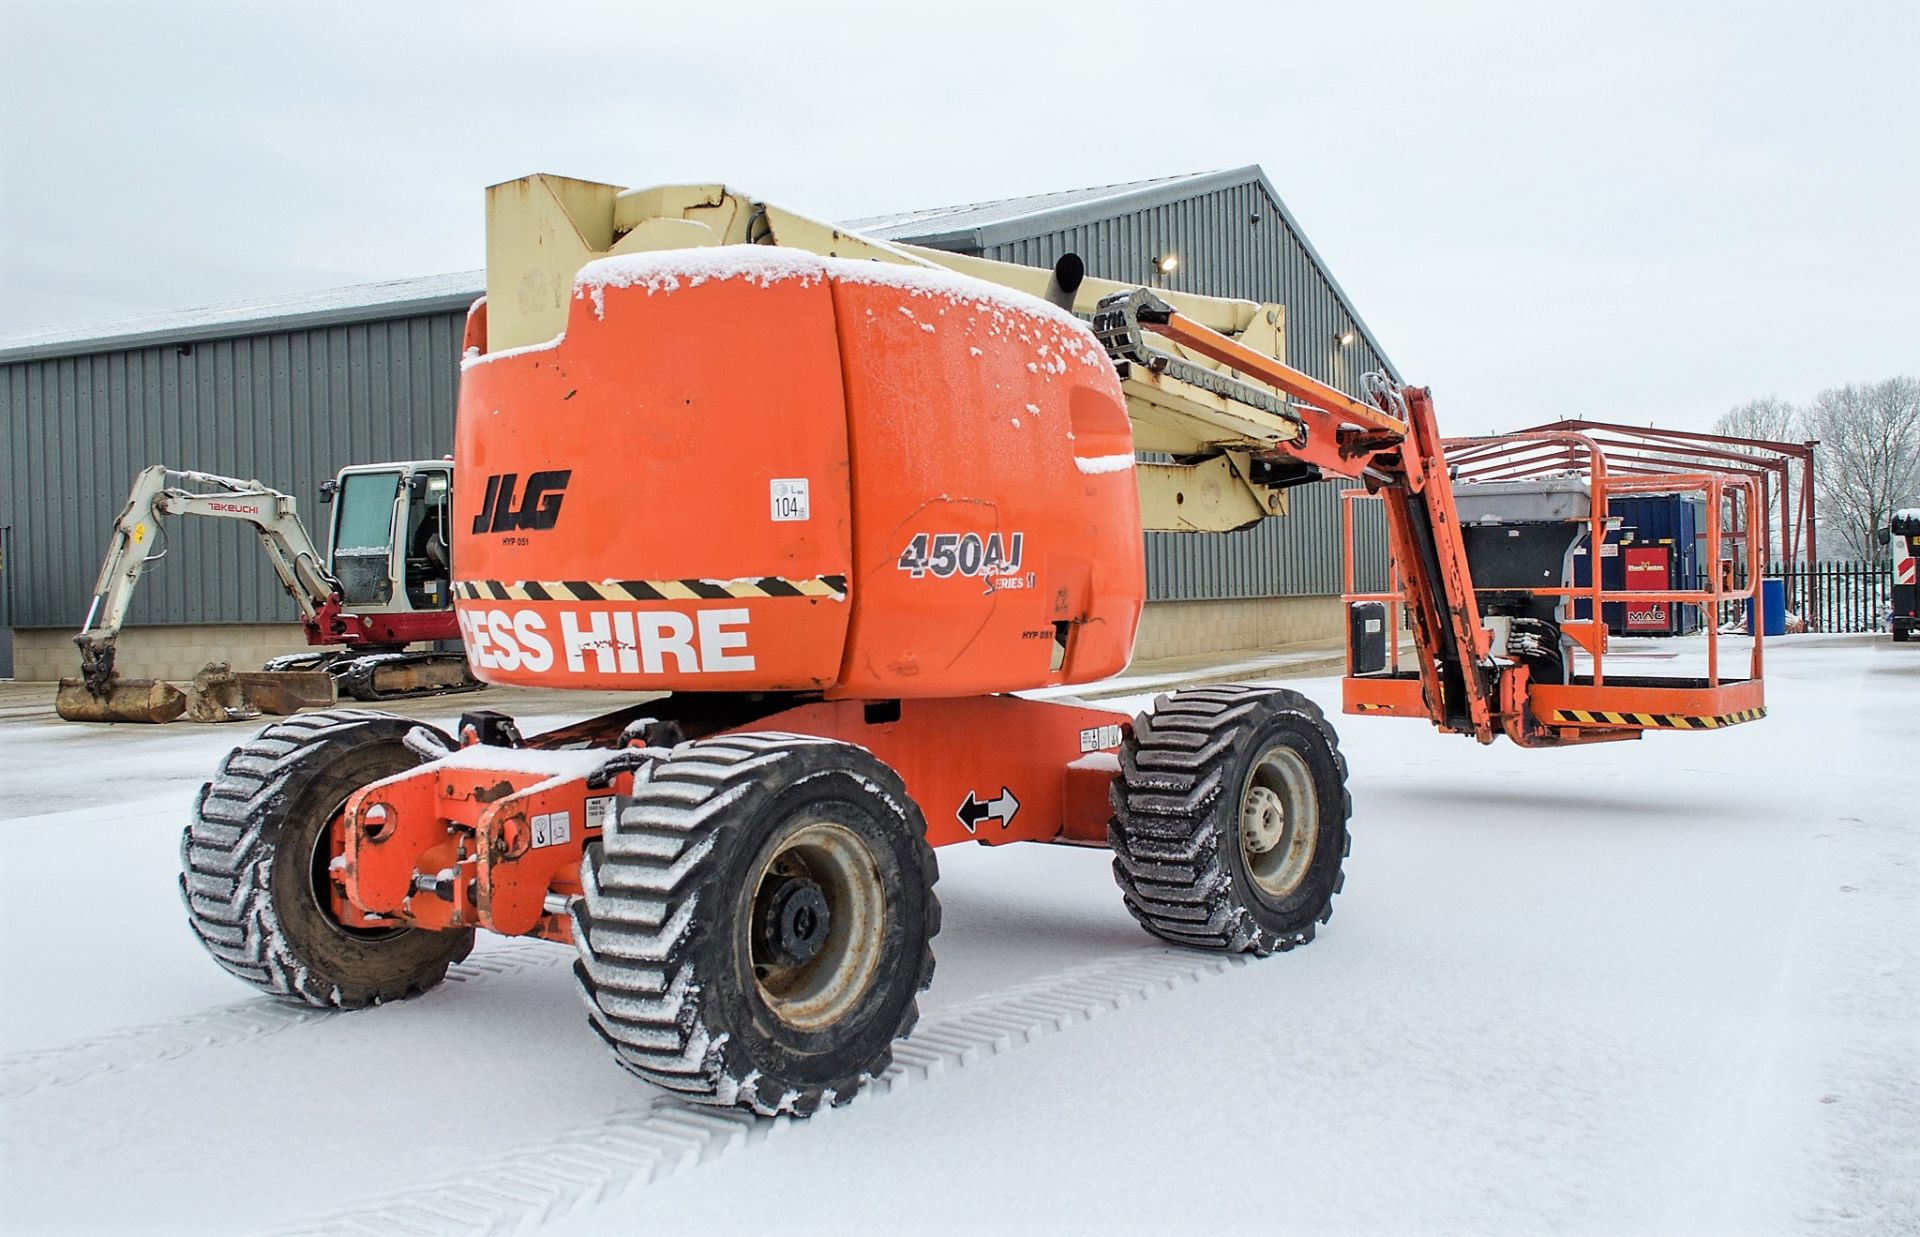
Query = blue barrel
x=1773 y=607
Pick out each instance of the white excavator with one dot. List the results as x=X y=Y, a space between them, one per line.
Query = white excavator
x=384 y=586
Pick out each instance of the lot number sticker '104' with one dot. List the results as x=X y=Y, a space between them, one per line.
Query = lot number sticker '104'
x=787 y=497
x=962 y=554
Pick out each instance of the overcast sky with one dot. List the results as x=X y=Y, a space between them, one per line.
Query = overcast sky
x=1644 y=212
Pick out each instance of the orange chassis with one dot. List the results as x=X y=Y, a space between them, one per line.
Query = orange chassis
x=492 y=836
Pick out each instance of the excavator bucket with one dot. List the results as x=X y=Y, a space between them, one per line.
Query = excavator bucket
x=123 y=700
x=217 y=695
x=222 y=695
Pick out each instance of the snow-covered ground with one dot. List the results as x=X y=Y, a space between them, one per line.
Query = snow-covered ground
x=1661 y=987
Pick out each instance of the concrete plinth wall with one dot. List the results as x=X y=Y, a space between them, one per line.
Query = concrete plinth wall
x=1179 y=628
x=1169 y=629
x=45 y=654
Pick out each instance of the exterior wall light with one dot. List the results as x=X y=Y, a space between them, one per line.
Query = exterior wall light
x=1167 y=263
x=1345 y=337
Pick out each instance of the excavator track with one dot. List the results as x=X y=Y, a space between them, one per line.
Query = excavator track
x=401 y=676
x=389 y=675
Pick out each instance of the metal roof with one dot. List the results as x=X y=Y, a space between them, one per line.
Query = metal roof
x=971 y=227
x=393 y=298
x=968 y=219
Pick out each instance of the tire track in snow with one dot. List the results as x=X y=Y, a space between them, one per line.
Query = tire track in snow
x=64 y=1065
x=643 y=1144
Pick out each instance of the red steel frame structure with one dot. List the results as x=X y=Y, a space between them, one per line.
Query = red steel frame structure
x=1651 y=451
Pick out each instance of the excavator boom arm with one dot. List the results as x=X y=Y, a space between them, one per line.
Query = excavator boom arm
x=157 y=493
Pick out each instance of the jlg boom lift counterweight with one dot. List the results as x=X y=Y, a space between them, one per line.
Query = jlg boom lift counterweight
x=838 y=498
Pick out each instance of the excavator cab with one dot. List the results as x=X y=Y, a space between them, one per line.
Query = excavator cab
x=389 y=536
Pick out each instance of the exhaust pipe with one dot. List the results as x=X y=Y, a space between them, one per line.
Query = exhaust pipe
x=1068 y=273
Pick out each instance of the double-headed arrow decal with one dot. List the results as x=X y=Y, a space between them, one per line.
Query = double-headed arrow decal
x=975 y=810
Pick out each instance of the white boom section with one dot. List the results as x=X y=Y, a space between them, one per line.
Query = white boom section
x=295 y=560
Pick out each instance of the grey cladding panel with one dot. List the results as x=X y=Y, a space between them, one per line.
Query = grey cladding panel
x=288 y=408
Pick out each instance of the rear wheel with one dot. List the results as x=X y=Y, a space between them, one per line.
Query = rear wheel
x=254 y=865
x=758 y=922
x=1230 y=819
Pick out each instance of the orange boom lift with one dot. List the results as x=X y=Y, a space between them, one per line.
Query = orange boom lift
x=822 y=503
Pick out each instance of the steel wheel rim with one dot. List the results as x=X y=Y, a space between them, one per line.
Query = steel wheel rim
x=1279 y=821
x=816 y=993
x=321 y=883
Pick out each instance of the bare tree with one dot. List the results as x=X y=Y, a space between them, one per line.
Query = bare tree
x=1770 y=417
x=1869 y=456
x=1775 y=420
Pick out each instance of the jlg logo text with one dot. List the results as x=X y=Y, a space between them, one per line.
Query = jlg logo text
x=608 y=641
x=539 y=505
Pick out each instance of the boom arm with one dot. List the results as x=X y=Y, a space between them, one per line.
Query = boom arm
x=1211 y=389
x=1206 y=383
x=301 y=570
x=1393 y=444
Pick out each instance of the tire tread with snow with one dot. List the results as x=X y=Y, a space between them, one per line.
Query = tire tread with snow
x=1176 y=825
x=258 y=914
x=664 y=930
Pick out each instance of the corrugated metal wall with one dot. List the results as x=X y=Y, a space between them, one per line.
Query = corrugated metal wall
x=1234 y=241
x=288 y=408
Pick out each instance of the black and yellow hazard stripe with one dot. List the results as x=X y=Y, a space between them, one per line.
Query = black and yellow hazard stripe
x=833 y=587
x=1652 y=721
x=1373 y=708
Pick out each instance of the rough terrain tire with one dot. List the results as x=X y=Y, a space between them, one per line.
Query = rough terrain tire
x=669 y=931
x=1902 y=634
x=1186 y=776
x=252 y=865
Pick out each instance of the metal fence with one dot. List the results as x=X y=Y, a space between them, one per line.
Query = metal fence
x=1834 y=596
x=1839 y=596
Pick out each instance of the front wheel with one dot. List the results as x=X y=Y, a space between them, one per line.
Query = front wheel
x=758 y=922
x=254 y=865
x=1230 y=819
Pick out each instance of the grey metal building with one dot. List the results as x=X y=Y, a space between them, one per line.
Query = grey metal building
x=289 y=390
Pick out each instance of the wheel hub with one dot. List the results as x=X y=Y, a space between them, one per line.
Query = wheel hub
x=1279 y=821
x=1264 y=819
x=815 y=924
x=794 y=920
